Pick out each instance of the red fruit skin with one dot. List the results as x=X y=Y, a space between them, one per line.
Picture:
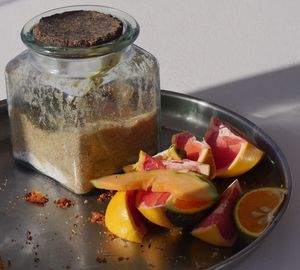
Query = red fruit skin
x=224 y=141
x=150 y=163
x=151 y=199
x=222 y=215
x=140 y=222
x=181 y=139
x=188 y=143
x=192 y=148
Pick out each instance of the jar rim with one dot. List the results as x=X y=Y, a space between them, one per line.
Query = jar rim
x=130 y=33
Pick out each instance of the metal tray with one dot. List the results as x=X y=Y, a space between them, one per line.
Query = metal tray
x=33 y=237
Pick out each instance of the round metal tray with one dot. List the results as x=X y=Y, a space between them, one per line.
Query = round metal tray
x=34 y=237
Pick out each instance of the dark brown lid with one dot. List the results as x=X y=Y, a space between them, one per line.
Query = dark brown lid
x=80 y=28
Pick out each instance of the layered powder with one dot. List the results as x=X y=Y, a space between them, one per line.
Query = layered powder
x=75 y=155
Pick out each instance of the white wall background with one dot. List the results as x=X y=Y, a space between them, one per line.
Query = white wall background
x=199 y=43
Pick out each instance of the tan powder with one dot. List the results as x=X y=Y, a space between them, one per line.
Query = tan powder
x=74 y=156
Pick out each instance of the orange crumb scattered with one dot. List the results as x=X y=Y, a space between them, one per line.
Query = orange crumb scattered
x=36 y=197
x=97 y=218
x=105 y=196
x=64 y=203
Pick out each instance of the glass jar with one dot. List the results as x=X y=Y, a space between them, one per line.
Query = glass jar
x=80 y=113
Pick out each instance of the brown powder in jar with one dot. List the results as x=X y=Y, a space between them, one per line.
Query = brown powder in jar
x=74 y=156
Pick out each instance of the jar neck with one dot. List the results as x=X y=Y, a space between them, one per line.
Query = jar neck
x=78 y=67
x=129 y=35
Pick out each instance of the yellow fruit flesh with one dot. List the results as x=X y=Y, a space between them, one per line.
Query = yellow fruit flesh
x=206 y=157
x=118 y=220
x=212 y=236
x=157 y=216
x=247 y=158
x=254 y=212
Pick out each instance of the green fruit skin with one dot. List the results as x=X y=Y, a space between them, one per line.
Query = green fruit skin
x=188 y=218
x=186 y=221
x=211 y=189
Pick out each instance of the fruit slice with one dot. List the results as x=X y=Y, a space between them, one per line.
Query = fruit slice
x=186 y=165
x=151 y=205
x=188 y=207
x=170 y=153
x=145 y=163
x=255 y=210
x=123 y=219
x=218 y=227
x=180 y=139
x=149 y=163
x=195 y=150
x=157 y=207
x=233 y=154
x=184 y=186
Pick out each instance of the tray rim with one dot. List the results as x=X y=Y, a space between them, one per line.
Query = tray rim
x=286 y=170
x=287 y=174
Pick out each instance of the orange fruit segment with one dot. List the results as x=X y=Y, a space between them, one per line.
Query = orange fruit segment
x=151 y=205
x=255 y=210
x=218 y=227
x=232 y=153
x=157 y=216
x=123 y=219
x=213 y=236
x=195 y=150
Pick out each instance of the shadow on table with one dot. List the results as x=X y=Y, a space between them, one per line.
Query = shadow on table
x=271 y=101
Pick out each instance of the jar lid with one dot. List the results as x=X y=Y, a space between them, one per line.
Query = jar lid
x=51 y=34
x=78 y=28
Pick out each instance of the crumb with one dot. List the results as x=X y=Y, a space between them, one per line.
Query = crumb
x=85 y=201
x=106 y=196
x=120 y=259
x=28 y=236
x=151 y=265
x=97 y=218
x=36 y=197
x=64 y=203
x=101 y=260
x=102 y=197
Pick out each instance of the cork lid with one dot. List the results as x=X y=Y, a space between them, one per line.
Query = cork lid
x=79 y=28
